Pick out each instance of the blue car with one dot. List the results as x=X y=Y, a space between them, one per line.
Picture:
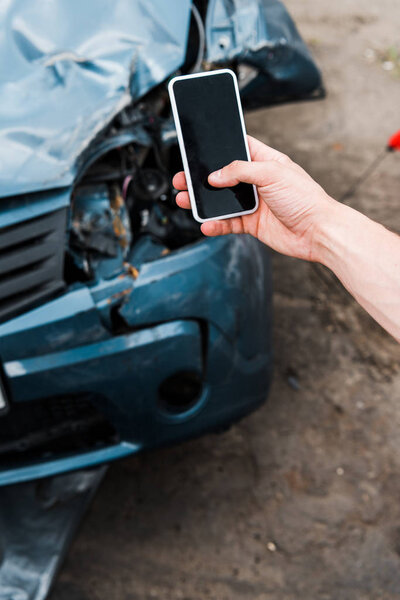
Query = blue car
x=121 y=327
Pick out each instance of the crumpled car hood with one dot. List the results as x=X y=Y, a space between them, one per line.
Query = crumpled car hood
x=67 y=67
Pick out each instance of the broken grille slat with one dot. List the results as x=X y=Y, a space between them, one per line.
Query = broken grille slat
x=26 y=231
x=26 y=256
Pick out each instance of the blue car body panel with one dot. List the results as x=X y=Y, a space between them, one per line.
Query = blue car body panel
x=261 y=34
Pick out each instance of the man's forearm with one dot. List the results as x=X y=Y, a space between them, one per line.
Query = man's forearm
x=365 y=256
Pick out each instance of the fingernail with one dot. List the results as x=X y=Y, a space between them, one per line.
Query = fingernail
x=216 y=175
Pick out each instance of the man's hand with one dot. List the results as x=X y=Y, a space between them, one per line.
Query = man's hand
x=292 y=204
x=296 y=217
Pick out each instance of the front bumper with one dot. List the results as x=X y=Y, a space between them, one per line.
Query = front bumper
x=205 y=309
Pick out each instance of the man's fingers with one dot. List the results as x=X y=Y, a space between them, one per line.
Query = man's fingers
x=212 y=228
x=179 y=181
x=257 y=173
x=222 y=227
x=182 y=200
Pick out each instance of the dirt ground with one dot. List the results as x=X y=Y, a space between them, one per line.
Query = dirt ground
x=301 y=499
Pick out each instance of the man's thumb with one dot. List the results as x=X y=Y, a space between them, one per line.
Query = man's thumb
x=257 y=173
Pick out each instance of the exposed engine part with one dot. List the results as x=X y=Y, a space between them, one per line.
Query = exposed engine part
x=153 y=210
x=100 y=230
x=126 y=193
x=168 y=136
x=149 y=184
x=172 y=227
x=124 y=189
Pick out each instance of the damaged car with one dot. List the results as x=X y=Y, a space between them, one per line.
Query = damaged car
x=121 y=327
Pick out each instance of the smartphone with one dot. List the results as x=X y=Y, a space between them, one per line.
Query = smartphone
x=211 y=134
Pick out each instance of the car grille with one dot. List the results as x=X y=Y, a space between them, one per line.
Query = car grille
x=31 y=261
x=54 y=426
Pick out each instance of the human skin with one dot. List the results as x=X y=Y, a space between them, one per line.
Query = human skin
x=298 y=218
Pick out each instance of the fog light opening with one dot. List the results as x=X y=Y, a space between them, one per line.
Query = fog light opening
x=180 y=392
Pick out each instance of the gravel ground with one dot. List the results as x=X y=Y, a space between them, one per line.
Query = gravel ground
x=301 y=499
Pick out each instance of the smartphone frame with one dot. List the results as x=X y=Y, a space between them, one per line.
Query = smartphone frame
x=183 y=149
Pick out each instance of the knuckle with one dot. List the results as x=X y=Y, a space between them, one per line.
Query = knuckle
x=235 y=165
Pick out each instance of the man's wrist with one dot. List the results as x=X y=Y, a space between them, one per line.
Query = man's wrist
x=333 y=232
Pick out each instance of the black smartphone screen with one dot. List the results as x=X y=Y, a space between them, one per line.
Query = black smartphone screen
x=213 y=137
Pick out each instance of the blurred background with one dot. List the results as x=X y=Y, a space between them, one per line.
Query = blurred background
x=301 y=499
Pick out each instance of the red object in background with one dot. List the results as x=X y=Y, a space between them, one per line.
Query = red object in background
x=394 y=141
